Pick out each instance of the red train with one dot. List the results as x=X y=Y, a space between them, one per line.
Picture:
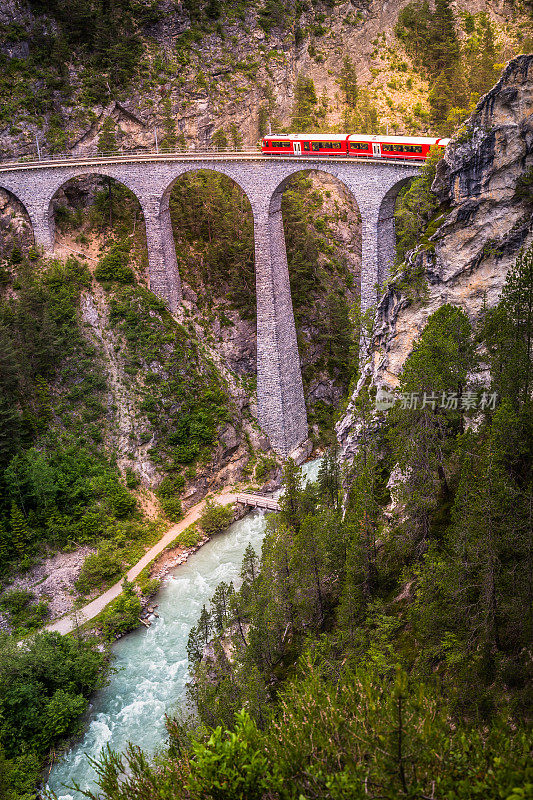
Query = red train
x=412 y=148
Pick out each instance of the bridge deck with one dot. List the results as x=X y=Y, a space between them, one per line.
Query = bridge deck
x=258 y=501
x=194 y=155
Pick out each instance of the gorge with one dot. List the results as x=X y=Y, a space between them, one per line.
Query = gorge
x=178 y=323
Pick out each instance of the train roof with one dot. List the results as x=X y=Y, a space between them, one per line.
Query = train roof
x=392 y=139
x=320 y=137
x=336 y=137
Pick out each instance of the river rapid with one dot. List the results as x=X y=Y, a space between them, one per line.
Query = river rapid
x=151 y=663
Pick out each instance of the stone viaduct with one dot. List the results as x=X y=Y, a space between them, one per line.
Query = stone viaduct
x=374 y=184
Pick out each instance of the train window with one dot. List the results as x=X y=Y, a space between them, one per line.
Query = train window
x=398 y=148
x=417 y=148
x=266 y=143
x=306 y=145
x=359 y=145
x=387 y=148
x=316 y=145
x=337 y=146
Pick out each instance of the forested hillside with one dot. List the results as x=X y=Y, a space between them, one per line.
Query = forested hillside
x=379 y=646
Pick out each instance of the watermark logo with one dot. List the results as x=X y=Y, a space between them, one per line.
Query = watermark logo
x=384 y=400
x=447 y=401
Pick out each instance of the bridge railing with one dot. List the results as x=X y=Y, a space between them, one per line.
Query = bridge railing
x=94 y=153
x=161 y=153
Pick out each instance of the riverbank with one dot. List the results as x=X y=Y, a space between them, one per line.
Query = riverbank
x=81 y=616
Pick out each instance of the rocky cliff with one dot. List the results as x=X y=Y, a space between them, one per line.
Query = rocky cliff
x=187 y=69
x=484 y=186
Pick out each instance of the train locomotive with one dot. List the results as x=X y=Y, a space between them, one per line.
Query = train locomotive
x=357 y=145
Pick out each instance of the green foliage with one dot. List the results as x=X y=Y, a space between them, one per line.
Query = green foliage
x=190 y=537
x=107 y=142
x=44 y=686
x=24 y=616
x=185 y=408
x=438 y=585
x=122 y=615
x=439 y=365
x=99 y=569
x=272 y=15
x=416 y=207
x=219 y=140
x=213 y=231
x=214 y=518
x=304 y=111
x=230 y=764
x=367 y=642
x=459 y=72
x=57 y=486
x=348 y=82
x=114 y=266
x=318 y=270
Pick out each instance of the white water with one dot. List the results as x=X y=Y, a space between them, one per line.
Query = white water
x=152 y=663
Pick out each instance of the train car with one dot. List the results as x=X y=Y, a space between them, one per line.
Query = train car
x=406 y=148
x=411 y=148
x=291 y=144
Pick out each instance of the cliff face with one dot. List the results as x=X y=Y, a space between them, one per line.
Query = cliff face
x=193 y=74
x=486 y=224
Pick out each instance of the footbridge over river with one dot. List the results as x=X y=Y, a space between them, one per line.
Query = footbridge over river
x=373 y=182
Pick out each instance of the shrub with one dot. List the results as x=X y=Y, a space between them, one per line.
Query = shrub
x=114 y=265
x=133 y=481
x=149 y=587
x=215 y=518
x=189 y=537
x=24 y=615
x=171 y=485
x=97 y=569
x=122 y=615
x=171 y=507
x=231 y=764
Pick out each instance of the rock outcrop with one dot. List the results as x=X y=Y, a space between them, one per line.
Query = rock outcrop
x=485 y=227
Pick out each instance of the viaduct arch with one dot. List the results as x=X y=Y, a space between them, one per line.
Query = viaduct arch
x=374 y=184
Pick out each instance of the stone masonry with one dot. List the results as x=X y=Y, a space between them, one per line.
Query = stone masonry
x=374 y=186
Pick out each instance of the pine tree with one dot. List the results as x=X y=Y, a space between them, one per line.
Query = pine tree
x=291 y=501
x=249 y=574
x=170 y=138
x=445 y=47
x=508 y=330
x=308 y=565
x=219 y=140
x=6 y=548
x=329 y=478
x=220 y=606
x=442 y=97
x=348 y=82
x=236 y=136
x=490 y=541
x=107 y=141
x=305 y=103
x=421 y=432
x=19 y=529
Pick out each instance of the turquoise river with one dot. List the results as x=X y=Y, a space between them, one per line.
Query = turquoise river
x=151 y=663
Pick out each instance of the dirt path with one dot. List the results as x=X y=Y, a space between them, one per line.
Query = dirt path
x=67 y=623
